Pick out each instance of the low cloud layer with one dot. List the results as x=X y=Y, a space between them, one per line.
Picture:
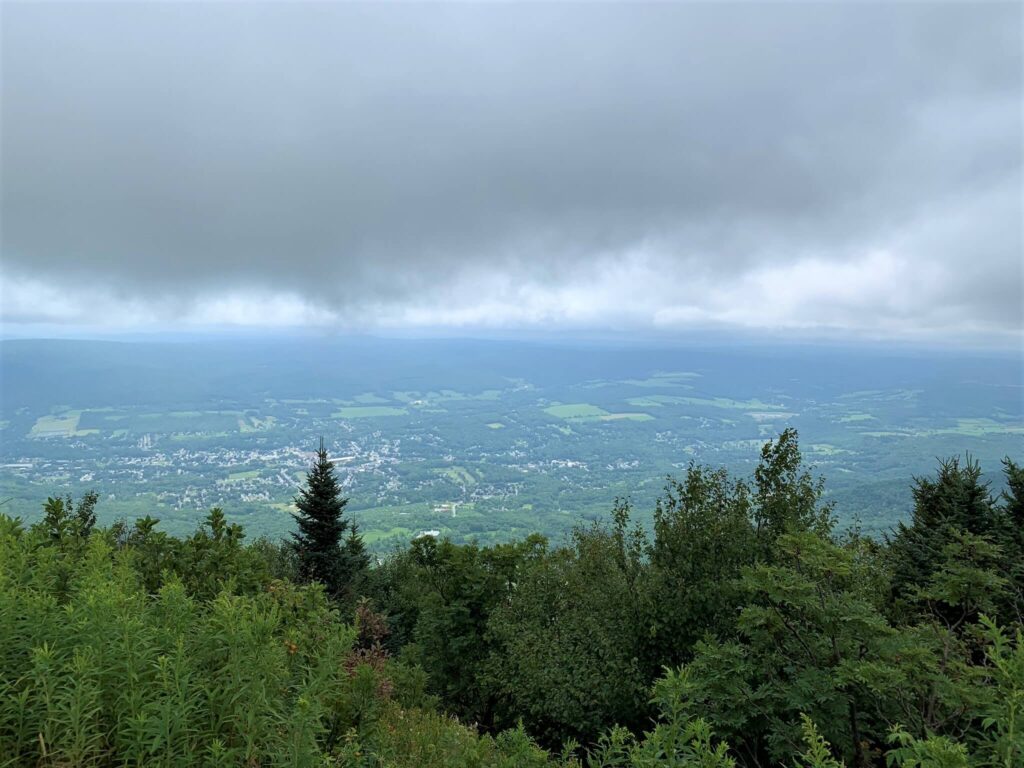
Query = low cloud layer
x=843 y=167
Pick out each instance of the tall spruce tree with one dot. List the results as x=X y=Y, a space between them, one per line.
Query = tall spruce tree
x=957 y=501
x=322 y=526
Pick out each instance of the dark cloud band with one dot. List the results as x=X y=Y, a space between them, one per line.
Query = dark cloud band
x=447 y=158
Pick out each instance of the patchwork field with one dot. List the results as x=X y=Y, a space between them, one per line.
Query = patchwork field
x=245 y=475
x=458 y=475
x=480 y=441
x=65 y=424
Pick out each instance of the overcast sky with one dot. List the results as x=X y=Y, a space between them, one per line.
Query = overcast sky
x=850 y=169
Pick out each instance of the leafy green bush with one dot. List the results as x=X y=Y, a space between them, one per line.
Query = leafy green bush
x=97 y=670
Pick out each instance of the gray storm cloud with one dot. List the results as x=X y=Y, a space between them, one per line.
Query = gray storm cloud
x=852 y=166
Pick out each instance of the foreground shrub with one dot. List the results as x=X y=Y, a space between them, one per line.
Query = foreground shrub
x=95 y=670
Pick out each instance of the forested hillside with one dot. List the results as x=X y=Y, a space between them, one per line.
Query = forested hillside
x=739 y=630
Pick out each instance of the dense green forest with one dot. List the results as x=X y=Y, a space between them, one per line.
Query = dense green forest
x=741 y=629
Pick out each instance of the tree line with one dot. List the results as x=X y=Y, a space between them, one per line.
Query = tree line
x=740 y=629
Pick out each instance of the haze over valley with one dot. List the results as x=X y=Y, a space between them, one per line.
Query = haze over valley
x=478 y=439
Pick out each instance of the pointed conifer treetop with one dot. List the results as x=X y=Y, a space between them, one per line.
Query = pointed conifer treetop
x=321 y=525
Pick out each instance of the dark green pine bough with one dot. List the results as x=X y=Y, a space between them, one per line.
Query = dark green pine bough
x=740 y=630
x=328 y=546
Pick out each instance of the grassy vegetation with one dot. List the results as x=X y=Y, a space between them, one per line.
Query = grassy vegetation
x=458 y=475
x=975 y=427
x=246 y=475
x=397 y=532
x=63 y=425
x=980 y=427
